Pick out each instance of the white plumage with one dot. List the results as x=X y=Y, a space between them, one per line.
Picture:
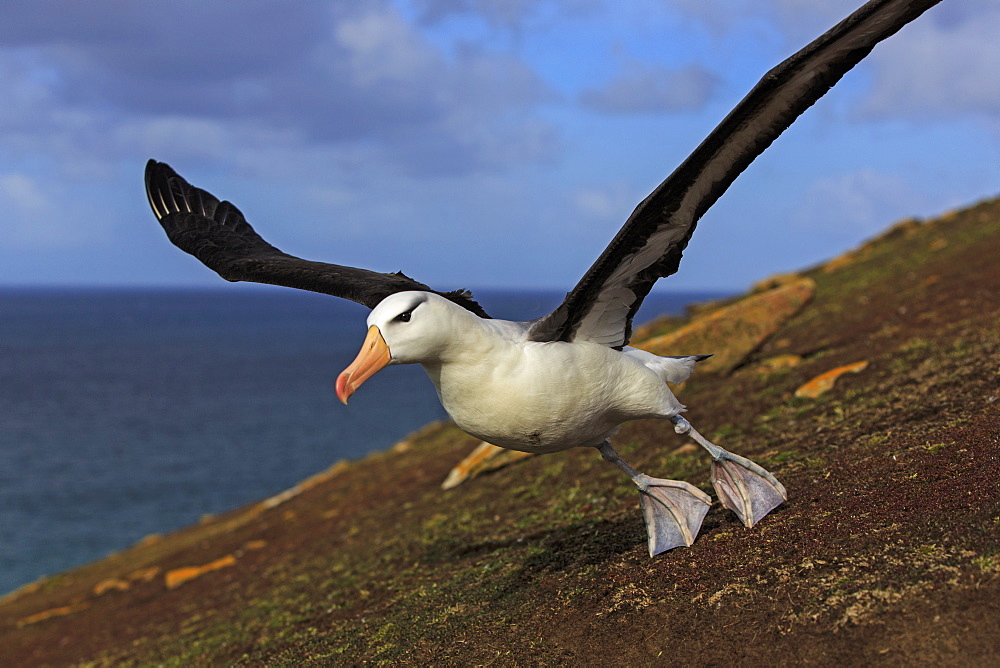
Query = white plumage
x=520 y=394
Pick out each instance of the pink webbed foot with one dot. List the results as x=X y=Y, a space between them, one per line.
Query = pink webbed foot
x=674 y=511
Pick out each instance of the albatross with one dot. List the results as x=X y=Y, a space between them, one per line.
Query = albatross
x=568 y=379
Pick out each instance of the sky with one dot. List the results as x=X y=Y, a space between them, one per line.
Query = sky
x=469 y=143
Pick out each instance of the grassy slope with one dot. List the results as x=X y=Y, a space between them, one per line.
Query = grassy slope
x=886 y=552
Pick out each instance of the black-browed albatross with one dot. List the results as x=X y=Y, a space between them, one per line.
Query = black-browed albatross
x=568 y=379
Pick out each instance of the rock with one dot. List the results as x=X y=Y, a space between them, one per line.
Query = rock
x=484 y=458
x=49 y=614
x=111 y=584
x=281 y=497
x=777 y=362
x=144 y=574
x=733 y=332
x=179 y=576
x=825 y=381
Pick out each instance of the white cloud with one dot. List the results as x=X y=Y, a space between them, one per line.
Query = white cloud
x=798 y=22
x=420 y=117
x=23 y=194
x=652 y=89
x=512 y=15
x=942 y=65
x=39 y=216
x=24 y=91
x=335 y=75
x=856 y=203
x=595 y=203
x=381 y=48
x=607 y=204
x=193 y=138
x=943 y=69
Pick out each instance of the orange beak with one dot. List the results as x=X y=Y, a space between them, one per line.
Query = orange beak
x=373 y=356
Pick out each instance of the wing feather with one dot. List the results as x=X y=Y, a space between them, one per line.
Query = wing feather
x=650 y=244
x=217 y=234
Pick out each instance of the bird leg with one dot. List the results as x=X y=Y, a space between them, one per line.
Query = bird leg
x=743 y=486
x=673 y=509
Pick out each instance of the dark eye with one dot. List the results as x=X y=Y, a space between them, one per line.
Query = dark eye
x=404 y=316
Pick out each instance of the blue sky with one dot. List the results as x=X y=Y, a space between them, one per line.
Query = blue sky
x=469 y=143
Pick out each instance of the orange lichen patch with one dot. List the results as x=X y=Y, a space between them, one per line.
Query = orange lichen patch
x=825 y=381
x=111 y=584
x=255 y=544
x=779 y=362
x=179 y=576
x=484 y=458
x=144 y=574
x=402 y=446
x=733 y=332
x=49 y=614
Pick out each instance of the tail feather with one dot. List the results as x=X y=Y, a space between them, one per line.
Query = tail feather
x=672 y=369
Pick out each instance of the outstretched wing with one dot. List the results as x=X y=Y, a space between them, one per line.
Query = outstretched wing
x=217 y=234
x=601 y=306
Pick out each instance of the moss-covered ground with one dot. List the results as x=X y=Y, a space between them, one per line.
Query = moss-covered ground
x=886 y=553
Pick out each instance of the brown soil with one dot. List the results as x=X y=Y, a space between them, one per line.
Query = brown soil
x=885 y=554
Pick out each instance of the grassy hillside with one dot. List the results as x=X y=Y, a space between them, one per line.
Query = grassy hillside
x=885 y=553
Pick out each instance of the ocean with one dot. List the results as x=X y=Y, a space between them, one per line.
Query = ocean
x=126 y=412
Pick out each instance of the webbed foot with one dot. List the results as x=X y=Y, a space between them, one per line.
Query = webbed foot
x=746 y=488
x=674 y=511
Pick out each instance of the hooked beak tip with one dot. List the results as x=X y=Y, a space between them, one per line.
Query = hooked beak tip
x=343 y=392
x=373 y=356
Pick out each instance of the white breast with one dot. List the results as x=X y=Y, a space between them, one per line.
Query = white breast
x=544 y=397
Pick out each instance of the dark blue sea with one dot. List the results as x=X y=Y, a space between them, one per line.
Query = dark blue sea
x=128 y=412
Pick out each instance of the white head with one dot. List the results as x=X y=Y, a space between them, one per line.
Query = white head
x=404 y=328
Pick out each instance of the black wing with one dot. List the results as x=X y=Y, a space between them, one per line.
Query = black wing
x=649 y=246
x=217 y=234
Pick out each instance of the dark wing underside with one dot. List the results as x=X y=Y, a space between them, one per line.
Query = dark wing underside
x=217 y=234
x=648 y=247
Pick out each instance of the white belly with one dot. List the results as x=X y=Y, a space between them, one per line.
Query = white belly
x=544 y=397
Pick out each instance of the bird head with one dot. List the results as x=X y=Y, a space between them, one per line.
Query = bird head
x=404 y=328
